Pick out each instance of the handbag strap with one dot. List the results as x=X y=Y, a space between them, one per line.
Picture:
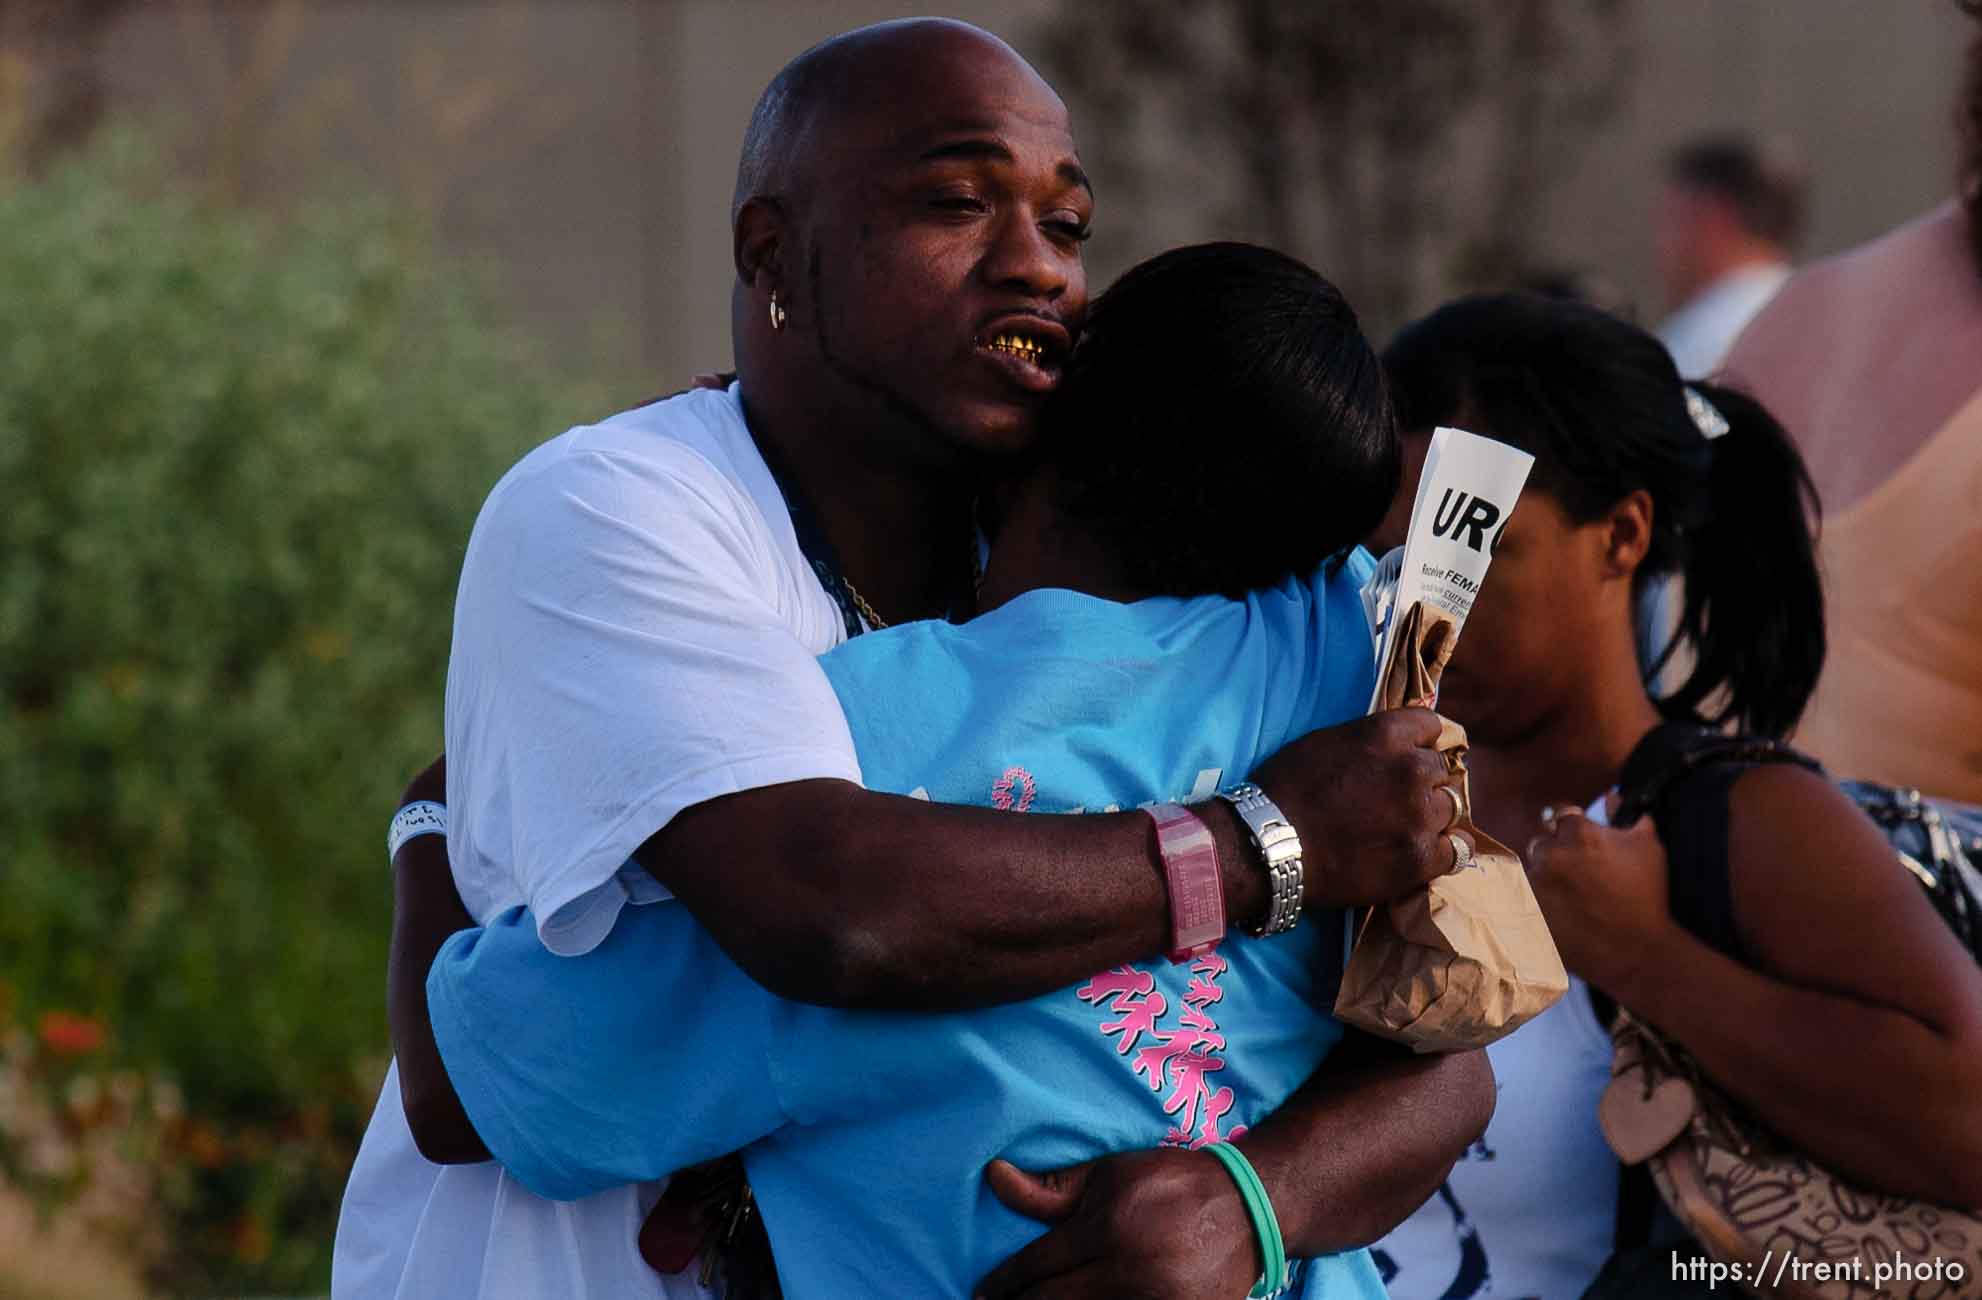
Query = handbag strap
x=1662 y=762
x=1672 y=752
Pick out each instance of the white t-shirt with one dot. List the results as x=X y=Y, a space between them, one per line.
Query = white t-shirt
x=1530 y=1211
x=636 y=632
x=1704 y=328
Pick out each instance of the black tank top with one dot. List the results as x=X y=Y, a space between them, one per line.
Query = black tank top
x=1682 y=775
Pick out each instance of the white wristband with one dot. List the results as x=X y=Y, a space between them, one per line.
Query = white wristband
x=421 y=817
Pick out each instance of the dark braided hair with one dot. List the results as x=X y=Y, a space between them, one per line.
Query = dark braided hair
x=1223 y=423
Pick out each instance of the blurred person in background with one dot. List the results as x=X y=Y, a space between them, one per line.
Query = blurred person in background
x=1728 y=221
x=636 y=715
x=1729 y=217
x=1757 y=917
x=1873 y=359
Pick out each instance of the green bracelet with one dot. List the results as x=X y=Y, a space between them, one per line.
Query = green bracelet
x=1272 y=1250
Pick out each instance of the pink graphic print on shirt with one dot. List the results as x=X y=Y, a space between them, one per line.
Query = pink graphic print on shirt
x=1182 y=1059
x=1014 y=778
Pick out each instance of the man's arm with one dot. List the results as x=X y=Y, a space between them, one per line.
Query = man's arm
x=426 y=910
x=1368 y=1140
x=1364 y=1142
x=542 y=1047
x=626 y=666
x=828 y=893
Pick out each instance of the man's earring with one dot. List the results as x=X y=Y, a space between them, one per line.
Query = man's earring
x=777 y=313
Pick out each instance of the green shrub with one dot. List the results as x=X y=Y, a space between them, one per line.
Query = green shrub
x=239 y=459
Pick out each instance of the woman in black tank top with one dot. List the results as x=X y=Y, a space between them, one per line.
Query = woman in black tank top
x=1755 y=916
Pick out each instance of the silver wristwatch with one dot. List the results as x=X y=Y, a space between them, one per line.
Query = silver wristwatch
x=1279 y=847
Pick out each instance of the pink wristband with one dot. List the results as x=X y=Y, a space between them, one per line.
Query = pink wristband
x=1190 y=866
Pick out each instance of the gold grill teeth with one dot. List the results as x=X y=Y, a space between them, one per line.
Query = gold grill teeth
x=1019 y=346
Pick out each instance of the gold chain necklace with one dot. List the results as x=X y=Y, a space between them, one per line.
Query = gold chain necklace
x=860 y=606
x=876 y=623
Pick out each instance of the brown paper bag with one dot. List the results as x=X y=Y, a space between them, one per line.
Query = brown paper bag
x=1468 y=959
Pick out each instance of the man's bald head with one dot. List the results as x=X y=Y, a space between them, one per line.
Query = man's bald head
x=850 y=76
x=907 y=230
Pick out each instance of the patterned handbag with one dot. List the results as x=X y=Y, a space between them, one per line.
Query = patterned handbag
x=1781 y=1223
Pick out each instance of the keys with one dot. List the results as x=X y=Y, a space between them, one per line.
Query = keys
x=727 y=1216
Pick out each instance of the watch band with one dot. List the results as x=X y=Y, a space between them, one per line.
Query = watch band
x=1279 y=849
x=421 y=817
x=1190 y=867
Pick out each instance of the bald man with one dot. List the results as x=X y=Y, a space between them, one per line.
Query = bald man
x=635 y=714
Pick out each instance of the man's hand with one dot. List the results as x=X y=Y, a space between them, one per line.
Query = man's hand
x=1147 y=1225
x=1348 y=1157
x=1368 y=798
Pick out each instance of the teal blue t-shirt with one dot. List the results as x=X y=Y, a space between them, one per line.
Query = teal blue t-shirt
x=866 y=1133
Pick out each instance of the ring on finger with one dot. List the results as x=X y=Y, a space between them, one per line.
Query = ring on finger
x=1462 y=850
x=1555 y=814
x=1458 y=805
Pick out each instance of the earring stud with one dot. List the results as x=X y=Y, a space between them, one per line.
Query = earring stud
x=777 y=313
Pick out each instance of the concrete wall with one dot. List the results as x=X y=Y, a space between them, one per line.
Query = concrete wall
x=588 y=146
x=1865 y=91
